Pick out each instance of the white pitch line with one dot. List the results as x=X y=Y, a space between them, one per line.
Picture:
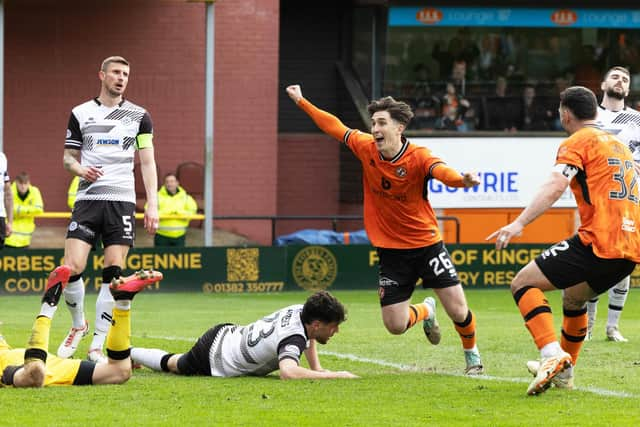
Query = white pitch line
x=409 y=368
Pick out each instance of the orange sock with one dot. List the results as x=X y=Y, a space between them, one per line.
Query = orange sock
x=417 y=312
x=467 y=331
x=574 y=330
x=537 y=315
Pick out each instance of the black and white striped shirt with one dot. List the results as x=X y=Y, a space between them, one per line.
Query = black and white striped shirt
x=107 y=137
x=624 y=124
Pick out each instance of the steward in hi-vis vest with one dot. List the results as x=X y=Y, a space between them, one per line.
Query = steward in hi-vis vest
x=27 y=202
x=173 y=200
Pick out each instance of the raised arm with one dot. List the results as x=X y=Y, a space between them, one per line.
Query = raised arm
x=327 y=122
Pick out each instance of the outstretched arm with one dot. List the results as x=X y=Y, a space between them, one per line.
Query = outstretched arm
x=452 y=178
x=327 y=122
x=290 y=370
x=543 y=200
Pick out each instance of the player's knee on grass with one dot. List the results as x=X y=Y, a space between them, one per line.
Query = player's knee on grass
x=124 y=371
x=172 y=364
x=114 y=372
x=32 y=375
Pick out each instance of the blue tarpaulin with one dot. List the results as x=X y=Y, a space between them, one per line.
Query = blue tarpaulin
x=323 y=237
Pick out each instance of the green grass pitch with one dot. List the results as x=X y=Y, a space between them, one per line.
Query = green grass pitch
x=404 y=380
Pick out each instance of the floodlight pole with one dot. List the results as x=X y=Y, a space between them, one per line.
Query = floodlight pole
x=208 y=123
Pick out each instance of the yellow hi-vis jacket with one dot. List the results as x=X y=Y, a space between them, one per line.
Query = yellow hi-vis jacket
x=180 y=203
x=73 y=191
x=23 y=212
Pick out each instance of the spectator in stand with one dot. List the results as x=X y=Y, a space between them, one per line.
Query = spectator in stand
x=562 y=82
x=446 y=57
x=421 y=78
x=454 y=110
x=27 y=202
x=173 y=200
x=586 y=72
x=426 y=108
x=489 y=56
x=459 y=76
x=425 y=104
x=534 y=113
x=501 y=111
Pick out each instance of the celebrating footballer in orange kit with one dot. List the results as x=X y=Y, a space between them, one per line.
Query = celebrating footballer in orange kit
x=600 y=170
x=401 y=223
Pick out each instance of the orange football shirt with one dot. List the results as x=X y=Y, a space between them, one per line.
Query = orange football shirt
x=397 y=214
x=606 y=190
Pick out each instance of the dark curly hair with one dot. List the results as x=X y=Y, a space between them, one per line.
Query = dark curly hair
x=581 y=101
x=324 y=307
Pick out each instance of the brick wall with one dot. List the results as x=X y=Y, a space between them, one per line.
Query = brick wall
x=246 y=102
x=308 y=183
x=52 y=53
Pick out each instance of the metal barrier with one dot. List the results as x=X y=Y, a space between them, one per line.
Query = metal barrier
x=273 y=218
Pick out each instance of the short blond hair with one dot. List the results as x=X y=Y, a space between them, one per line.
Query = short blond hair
x=111 y=60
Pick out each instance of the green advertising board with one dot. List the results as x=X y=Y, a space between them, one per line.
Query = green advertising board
x=264 y=269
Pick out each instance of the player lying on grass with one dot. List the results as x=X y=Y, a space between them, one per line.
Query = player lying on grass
x=274 y=342
x=35 y=367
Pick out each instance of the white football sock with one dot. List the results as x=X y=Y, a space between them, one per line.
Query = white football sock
x=104 y=309
x=123 y=304
x=617 y=298
x=551 y=349
x=74 y=297
x=149 y=357
x=592 y=312
x=47 y=310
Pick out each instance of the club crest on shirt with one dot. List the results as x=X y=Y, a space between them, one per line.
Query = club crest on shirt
x=401 y=172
